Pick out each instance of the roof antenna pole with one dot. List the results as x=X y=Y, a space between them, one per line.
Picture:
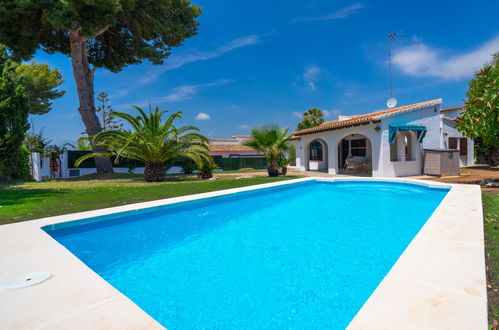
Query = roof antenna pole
x=391 y=36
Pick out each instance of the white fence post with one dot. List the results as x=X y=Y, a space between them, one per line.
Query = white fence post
x=64 y=165
x=34 y=163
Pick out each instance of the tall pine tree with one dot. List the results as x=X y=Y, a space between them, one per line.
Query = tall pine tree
x=108 y=34
x=14 y=108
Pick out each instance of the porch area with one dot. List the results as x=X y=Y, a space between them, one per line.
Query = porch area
x=352 y=156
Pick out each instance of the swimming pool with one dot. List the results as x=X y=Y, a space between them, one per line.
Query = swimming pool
x=305 y=255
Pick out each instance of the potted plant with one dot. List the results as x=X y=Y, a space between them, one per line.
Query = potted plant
x=282 y=164
x=272 y=141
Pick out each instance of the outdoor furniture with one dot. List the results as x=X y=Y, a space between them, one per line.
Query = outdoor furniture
x=356 y=164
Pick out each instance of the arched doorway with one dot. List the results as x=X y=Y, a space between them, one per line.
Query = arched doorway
x=317 y=155
x=355 y=155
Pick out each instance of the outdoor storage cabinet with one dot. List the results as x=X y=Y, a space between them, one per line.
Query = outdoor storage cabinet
x=441 y=162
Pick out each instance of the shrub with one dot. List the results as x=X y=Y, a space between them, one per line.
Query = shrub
x=206 y=169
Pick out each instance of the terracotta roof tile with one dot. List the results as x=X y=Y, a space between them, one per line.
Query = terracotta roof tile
x=230 y=148
x=363 y=119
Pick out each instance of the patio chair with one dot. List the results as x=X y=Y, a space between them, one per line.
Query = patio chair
x=350 y=165
x=355 y=164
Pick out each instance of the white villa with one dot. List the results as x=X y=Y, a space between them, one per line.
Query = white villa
x=386 y=143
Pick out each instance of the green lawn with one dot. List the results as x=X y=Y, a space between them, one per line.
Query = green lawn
x=491 y=221
x=42 y=199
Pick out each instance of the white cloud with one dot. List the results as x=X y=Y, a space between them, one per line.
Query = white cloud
x=339 y=14
x=176 y=61
x=180 y=93
x=185 y=92
x=297 y=114
x=419 y=60
x=244 y=126
x=118 y=93
x=203 y=116
x=310 y=77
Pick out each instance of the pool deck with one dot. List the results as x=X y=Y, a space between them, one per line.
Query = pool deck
x=437 y=283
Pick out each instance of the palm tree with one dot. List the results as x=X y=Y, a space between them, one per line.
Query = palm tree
x=311 y=118
x=271 y=140
x=151 y=141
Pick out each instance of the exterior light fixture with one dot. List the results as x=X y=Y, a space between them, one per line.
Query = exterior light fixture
x=377 y=128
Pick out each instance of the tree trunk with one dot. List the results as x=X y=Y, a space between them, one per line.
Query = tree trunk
x=494 y=157
x=272 y=168
x=84 y=78
x=155 y=172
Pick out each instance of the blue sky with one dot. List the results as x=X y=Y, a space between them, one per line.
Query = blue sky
x=258 y=62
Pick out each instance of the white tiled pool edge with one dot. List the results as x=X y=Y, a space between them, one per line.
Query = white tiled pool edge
x=438 y=282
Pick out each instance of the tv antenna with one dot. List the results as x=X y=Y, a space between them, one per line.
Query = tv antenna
x=391 y=36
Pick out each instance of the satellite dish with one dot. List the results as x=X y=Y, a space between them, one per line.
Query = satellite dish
x=391 y=102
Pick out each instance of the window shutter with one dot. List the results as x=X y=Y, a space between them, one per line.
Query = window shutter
x=463 y=146
x=452 y=143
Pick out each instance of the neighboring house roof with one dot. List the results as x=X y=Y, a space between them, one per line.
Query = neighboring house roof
x=453 y=108
x=364 y=119
x=235 y=148
x=451 y=119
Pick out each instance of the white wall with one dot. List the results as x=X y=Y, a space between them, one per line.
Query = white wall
x=137 y=170
x=430 y=118
x=40 y=168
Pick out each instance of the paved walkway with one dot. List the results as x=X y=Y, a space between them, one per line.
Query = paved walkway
x=291 y=172
x=469 y=175
x=311 y=173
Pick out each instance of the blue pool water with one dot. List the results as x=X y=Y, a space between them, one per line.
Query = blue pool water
x=302 y=256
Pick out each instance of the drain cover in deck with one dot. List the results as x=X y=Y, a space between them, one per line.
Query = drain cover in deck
x=27 y=281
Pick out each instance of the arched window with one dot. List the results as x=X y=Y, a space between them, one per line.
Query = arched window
x=315 y=151
x=409 y=146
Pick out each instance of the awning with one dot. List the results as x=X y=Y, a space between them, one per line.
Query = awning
x=420 y=131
